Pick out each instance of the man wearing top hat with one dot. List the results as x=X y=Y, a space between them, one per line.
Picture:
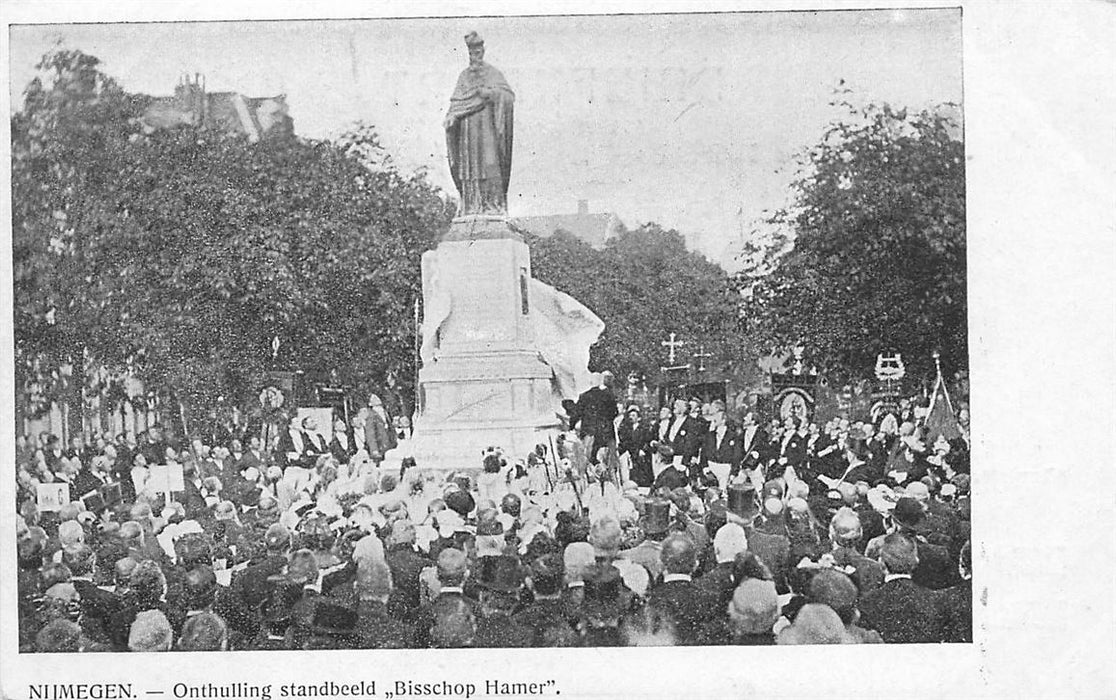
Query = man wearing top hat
x=500 y=582
x=656 y=526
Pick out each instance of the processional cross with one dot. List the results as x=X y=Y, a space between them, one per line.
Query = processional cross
x=673 y=345
x=701 y=354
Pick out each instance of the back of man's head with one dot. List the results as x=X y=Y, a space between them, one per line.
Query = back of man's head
x=277 y=539
x=199 y=588
x=835 y=589
x=402 y=533
x=80 y=559
x=150 y=631
x=148 y=582
x=845 y=529
x=373 y=582
x=546 y=574
x=59 y=636
x=679 y=555
x=204 y=632
x=754 y=608
x=605 y=535
x=453 y=567
x=729 y=541
x=899 y=554
x=576 y=560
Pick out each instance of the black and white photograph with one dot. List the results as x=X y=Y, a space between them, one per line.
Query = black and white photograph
x=420 y=356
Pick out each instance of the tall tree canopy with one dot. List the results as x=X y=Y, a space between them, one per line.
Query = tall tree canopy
x=878 y=257
x=180 y=254
x=644 y=284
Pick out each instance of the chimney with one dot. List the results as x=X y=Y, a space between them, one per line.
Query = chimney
x=582 y=207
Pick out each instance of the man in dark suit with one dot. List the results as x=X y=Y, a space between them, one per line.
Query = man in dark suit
x=97 y=606
x=690 y=606
x=685 y=433
x=770 y=543
x=596 y=408
x=545 y=614
x=376 y=628
x=501 y=581
x=453 y=570
x=341 y=446
x=901 y=610
x=634 y=437
x=379 y=435
x=720 y=453
x=406 y=563
x=957 y=602
x=845 y=532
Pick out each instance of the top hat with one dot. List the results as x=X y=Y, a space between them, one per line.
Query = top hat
x=501 y=574
x=656 y=516
x=742 y=500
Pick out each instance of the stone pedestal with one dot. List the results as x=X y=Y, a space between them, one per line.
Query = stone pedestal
x=486 y=383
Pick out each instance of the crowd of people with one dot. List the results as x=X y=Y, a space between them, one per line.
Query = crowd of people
x=689 y=529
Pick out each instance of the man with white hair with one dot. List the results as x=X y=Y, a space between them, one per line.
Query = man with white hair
x=719 y=583
x=845 y=533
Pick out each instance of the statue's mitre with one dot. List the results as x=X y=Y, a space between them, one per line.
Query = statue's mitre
x=473 y=39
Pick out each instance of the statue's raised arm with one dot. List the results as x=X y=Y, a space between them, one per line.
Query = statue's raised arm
x=479 y=135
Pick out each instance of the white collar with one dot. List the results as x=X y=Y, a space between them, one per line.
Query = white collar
x=892 y=577
x=575 y=584
x=452 y=589
x=667 y=578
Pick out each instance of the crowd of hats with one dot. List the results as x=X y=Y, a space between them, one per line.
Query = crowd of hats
x=296 y=558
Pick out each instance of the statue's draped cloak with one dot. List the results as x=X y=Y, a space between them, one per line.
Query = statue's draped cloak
x=479 y=142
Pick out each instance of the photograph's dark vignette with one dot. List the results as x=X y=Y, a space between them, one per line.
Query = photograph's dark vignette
x=235 y=433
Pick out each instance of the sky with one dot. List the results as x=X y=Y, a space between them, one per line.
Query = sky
x=691 y=121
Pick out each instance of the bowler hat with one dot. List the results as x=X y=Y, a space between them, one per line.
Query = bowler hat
x=908 y=512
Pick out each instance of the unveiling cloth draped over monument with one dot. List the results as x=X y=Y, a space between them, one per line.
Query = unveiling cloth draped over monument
x=564 y=329
x=479 y=139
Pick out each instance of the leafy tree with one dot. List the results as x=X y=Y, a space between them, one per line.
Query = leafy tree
x=182 y=253
x=878 y=258
x=643 y=285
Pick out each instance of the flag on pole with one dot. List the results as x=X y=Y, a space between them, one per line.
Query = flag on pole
x=941 y=420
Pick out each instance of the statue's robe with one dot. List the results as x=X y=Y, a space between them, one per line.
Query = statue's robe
x=479 y=141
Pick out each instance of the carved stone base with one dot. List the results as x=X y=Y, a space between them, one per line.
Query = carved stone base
x=486 y=384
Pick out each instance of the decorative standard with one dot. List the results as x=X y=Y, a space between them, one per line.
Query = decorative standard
x=500 y=350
